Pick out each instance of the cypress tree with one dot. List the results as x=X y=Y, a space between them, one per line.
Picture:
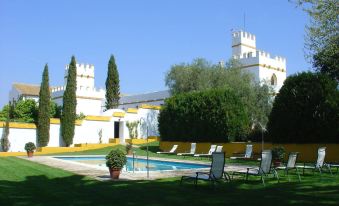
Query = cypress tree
x=112 y=85
x=44 y=110
x=69 y=105
x=5 y=144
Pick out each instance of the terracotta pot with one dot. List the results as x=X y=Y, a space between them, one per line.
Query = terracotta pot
x=30 y=154
x=114 y=173
x=130 y=152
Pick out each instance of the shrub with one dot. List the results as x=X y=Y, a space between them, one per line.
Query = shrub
x=30 y=147
x=278 y=153
x=216 y=115
x=116 y=159
x=306 y=110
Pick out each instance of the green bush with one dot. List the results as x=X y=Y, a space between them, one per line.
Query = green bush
x=216 y=115
x=278 y=153
x=306 y=110
x=30 y=147
x=116 y=159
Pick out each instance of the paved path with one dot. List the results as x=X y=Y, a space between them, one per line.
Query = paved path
x=101 y=173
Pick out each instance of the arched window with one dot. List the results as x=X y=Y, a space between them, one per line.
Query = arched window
x=274 y=80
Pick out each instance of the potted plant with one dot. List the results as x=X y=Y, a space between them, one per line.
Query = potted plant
x=115 y=161
x=30 y=147
x=129 y=147
x=278 y=154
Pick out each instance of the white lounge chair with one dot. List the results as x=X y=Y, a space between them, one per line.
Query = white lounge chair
x=246 y=155
x=291 y=164
x=219 y=148
x=209 y=154
x=192 y=151
x=172 y=151
x=263 y=170
x=216 y=172
x=319 y=165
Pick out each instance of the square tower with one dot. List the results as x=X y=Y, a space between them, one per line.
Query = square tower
x=265 y=69
x=89 y=99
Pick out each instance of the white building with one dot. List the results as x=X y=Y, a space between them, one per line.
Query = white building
x=89 y=99
x=24 y=91
x=264 y=66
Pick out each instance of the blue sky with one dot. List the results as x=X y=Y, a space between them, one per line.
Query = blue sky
x=146 y=37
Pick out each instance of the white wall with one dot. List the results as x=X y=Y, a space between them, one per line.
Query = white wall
x=88 y=131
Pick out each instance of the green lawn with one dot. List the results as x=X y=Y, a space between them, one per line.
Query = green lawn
x=26 y=183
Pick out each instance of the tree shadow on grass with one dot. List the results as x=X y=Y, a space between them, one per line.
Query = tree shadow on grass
x=79 y=190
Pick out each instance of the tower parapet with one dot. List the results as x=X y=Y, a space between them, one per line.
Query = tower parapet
x=264 y=66
x=243 y=42
x=85 y=75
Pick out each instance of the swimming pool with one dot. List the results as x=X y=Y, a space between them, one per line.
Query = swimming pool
x=139 y=164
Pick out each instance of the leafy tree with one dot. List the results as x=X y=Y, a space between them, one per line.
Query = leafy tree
x=306 y=110
x=69 y=105
x=44 y=111
x=5 y=144
x=322 y=40
x=25 y=110
x=112 y=85
x=202 y=75
x=133 y=128
x=215 y=115
x=55 y=110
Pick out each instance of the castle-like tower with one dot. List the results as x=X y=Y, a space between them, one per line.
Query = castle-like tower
x=89 y=99
x=262 y=65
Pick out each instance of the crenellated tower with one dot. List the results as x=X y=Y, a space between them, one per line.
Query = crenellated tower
x=265 y=67
x=89 y=99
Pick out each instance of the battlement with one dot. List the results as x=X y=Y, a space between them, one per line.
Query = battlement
x=259 y=54
x=83 y=70
x=82 y=66
x=243 y=34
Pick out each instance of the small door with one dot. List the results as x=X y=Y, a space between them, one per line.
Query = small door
x=116 y=129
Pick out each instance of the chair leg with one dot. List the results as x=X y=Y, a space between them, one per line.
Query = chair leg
x=329 y=168
x=263 y=180
x=276 y=174
x=227 y=176
x=288 y=177
x=298 y=174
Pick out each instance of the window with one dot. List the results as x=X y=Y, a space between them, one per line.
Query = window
x=274 y=80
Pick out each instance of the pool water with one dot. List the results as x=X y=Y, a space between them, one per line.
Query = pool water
x=139 y=164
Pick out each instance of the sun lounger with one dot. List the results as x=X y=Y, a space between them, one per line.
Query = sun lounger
x=244 y=156
x=192 y=151
x=263 y=170
x=319 y=164
x=215 y=174
x=209 y=154
x=172 y=151
x=291 y=164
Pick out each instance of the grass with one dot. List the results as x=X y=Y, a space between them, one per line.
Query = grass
x=26 y=183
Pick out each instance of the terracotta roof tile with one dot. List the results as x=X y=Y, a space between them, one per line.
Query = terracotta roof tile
x=27 y=89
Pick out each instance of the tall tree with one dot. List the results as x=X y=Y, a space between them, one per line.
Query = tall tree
x=69 y=105
x=112 y=85
x=44 y=110
x=322 y=39
x=202 y=75
x=5 y=144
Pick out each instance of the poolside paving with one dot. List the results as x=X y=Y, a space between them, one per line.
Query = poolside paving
x=102 y=174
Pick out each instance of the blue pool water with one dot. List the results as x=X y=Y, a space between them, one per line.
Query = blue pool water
x=139 y=164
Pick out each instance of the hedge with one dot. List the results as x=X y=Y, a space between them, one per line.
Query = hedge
x=306 y=110
x=208 y=116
